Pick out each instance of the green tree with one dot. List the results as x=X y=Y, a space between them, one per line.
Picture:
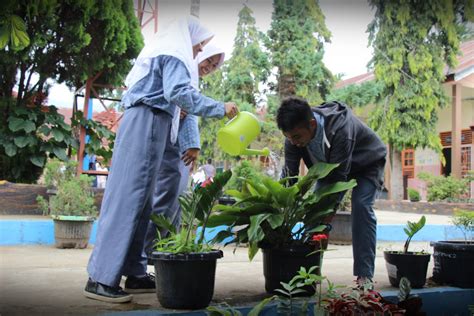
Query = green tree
x=69 y=41
x=412 y=42
x=297 y=34
x=358 y=95
x=239 y=80
x=249 y=66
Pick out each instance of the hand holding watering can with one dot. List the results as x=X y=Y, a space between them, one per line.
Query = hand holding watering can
x=231 y=109
x=238 y=133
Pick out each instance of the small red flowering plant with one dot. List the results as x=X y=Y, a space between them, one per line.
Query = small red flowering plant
x=196 y=208
x=279 y=214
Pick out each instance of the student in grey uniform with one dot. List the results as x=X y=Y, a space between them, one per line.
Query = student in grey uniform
x=331 y=133
x=158 y=85
x=173 y=178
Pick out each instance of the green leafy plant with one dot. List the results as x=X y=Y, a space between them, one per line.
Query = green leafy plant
x=411 y=229
x=413 y=195
x=266 y=214
x=227 y=310
x=245 y=170
x=441 y=188
x=74 y=198
x=196 y=207
x=464 y=220
x=57 y=171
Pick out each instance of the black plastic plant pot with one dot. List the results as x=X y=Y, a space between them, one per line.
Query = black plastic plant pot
x=185 y=281
x=281 y=265
x=411 y=265
x=454 y=263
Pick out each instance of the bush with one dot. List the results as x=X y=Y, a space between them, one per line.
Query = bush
x=346 y=205
x=74 y=198
x=413 y=195
x=57 y=171
x=464 y=220
x=441 y=188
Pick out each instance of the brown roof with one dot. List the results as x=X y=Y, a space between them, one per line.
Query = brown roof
x=465 y=67
x=109 y=118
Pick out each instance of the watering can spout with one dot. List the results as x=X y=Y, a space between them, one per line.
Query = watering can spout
x=260 y=152
x=238 y=133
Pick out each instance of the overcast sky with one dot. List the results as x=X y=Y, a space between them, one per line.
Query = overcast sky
x=347 y=20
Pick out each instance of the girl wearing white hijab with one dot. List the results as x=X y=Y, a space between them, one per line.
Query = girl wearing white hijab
x=173 y=178
x=158 y=84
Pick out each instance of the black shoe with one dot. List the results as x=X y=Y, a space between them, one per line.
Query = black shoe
x=143 y=284
x=105 y=293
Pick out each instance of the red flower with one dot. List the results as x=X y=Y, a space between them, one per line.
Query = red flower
x=206 y=183
x=319 y=237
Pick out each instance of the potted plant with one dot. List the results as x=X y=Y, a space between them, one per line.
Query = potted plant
x=73 y=211
x=185 y=263
x=280 y=220
x=413 y=195
x=412 y=265
x=453 y=260
x=341 y=232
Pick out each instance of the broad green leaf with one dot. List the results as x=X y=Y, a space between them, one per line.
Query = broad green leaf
x=221 y=219
x=317 y=229
x=37 y=160
x=10 y=149
x=21 y=141
x=258 y=308
x=334 y=188
x=252 y=251
x=45 y=130
x=60 y=153
x=15 y=124
x=275 y=220
x=4 y=36
x=57 y=134
x=236 y=194
x=316 y=172
x=255 y=232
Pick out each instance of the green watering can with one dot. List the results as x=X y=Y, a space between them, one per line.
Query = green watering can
x=238 y=133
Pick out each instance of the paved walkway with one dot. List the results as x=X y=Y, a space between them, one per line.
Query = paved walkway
x=43 y=280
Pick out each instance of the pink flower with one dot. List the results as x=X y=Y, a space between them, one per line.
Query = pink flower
x=319 y=237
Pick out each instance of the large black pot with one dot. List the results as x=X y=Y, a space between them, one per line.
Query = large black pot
x=281 y=265
x=454 y=263
x=411 y=265
x=185 y=281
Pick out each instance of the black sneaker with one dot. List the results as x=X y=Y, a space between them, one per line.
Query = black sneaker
x=105 y=293
x=143 y=284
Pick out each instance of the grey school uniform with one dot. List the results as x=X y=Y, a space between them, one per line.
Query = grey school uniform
x=142 y=143
x=173 y=179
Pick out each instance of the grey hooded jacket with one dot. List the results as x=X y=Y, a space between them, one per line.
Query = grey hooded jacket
x=358 y=150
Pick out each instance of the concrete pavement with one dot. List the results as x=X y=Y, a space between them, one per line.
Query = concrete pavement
x=43 y=280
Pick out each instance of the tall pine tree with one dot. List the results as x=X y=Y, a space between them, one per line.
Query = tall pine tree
x=240 y=80
x=297 y=34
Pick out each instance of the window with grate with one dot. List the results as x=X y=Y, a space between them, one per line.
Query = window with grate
x=408 y=163
x=466 y=159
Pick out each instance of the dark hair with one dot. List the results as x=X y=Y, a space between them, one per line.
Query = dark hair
x=293 y=112
x=209 y=160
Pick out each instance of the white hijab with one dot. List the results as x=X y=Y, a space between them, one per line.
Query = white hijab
x=176 y=40
x=208 y=51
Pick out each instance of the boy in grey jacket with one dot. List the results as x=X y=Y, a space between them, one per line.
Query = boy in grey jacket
x=331 y=133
